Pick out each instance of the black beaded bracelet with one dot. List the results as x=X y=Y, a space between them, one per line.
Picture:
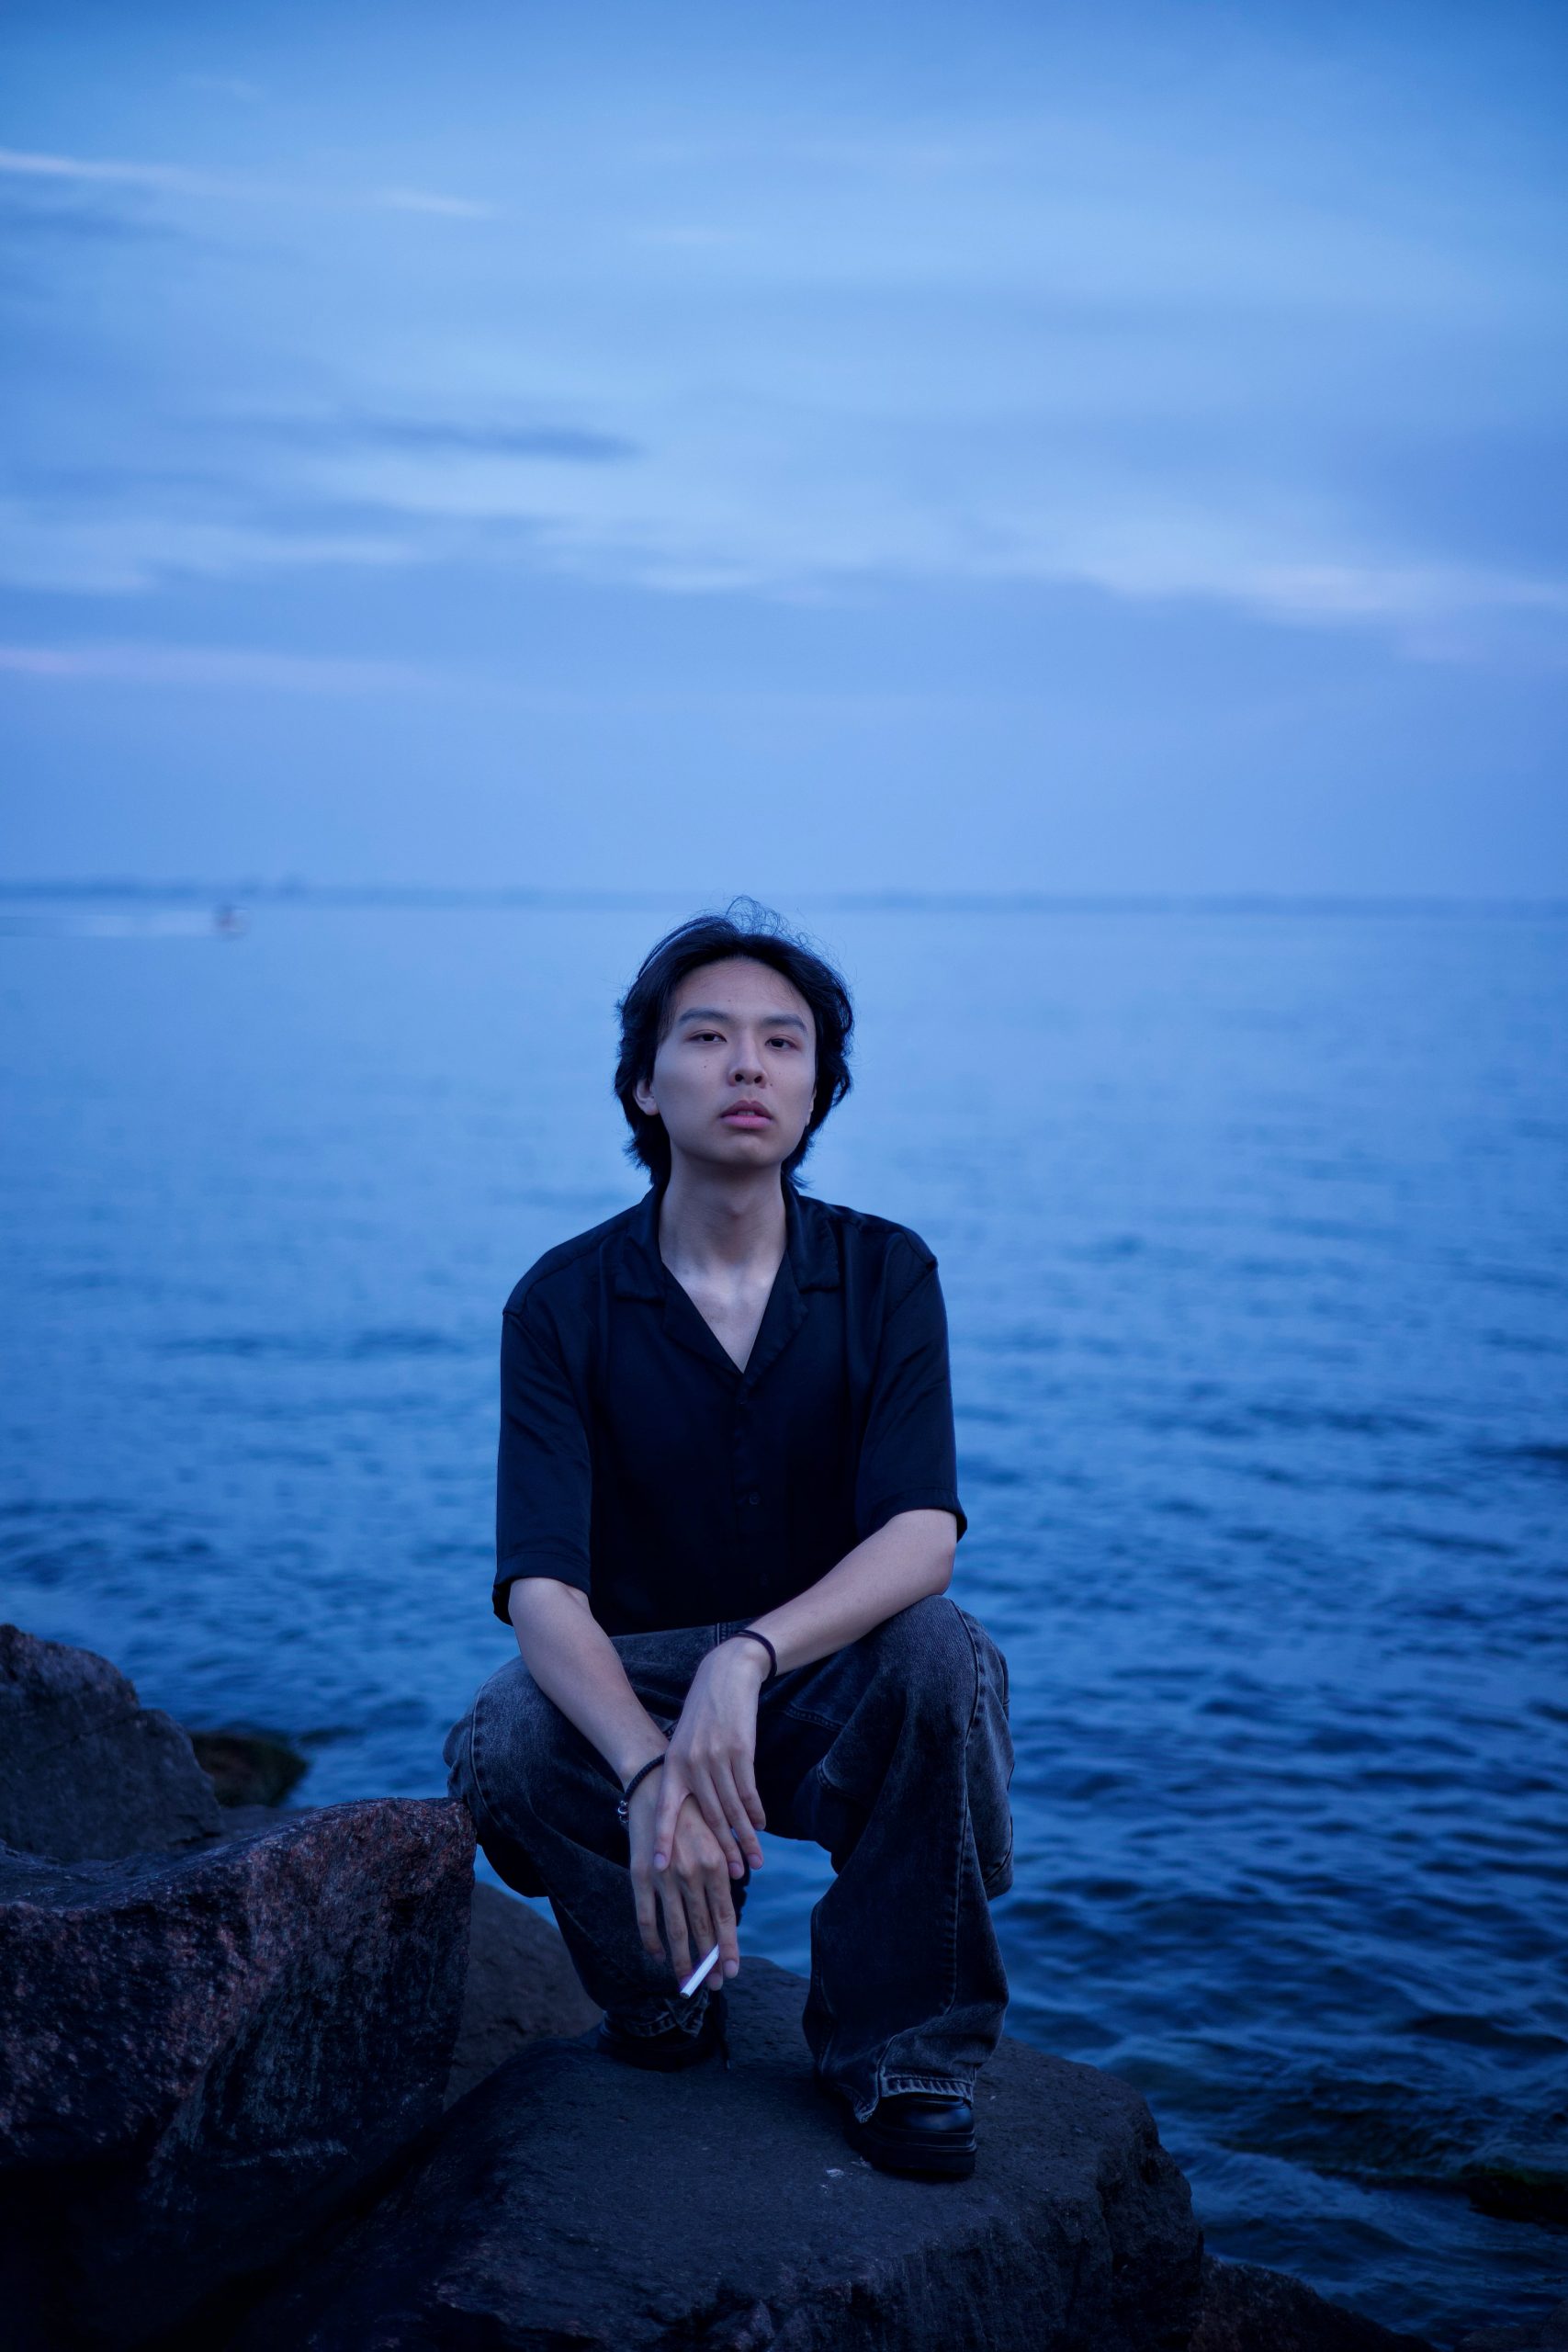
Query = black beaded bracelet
x=750 y=1634
x=622 y=1809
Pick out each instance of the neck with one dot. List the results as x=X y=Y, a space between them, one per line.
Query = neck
x=722 y=1221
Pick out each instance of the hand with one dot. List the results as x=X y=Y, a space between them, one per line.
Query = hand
x=694 y=1889
x=711 y=1756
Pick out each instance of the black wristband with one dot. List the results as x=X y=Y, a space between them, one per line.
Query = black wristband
x=750 y=1634
x=622 y=1809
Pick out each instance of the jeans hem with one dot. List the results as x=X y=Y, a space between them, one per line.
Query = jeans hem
x=890 y=2086
x=942 y=2086
x=643 y=2024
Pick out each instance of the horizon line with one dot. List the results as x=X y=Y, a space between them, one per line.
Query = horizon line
x=289 y=892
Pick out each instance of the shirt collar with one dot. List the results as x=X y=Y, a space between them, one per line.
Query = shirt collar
x=810 y=1246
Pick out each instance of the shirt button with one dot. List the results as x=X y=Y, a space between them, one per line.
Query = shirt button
x=753 y=1499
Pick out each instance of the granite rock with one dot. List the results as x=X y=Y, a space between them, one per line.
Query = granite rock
x=571 y=2201
x=1246 y=2309
x=86 y=1773
x=522 y=1988
x=201 y=2054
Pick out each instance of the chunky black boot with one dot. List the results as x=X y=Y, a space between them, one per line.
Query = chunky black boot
x=928 y=2133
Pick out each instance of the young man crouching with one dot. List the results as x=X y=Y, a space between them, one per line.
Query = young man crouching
x=726 y=1513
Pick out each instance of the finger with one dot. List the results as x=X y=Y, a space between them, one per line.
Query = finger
x=746 y=1781
x=673 y=1791
x=725 y=1934
x=699 y=1916
x=739 y=1822
x=675 y=1928
x=707 y=1789
x=646 y=1914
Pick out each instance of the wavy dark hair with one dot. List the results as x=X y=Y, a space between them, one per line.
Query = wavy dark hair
x=744 y=928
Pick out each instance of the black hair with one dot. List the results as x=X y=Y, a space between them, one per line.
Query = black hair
x=743 y=929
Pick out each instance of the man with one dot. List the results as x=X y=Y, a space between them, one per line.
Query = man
x=725 y=1524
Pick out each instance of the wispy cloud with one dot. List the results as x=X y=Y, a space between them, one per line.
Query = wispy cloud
x=179 y=180
x=462 y=437
x=205 y=666
x=90 y=551
x=424 y=199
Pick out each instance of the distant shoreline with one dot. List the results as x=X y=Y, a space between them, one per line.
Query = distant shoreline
x=421 y=897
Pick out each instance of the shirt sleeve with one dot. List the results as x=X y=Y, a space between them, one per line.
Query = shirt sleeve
x=544 y=1474
x=908 y=1457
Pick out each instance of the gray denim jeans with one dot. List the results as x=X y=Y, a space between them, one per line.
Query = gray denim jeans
x=894 y=1753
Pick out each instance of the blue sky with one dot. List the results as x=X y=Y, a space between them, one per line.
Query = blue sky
x=1113 y=448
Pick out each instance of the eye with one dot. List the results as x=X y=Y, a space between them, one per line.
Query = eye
x=783 y=1040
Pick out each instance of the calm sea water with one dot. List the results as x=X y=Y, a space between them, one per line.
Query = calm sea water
x=1252 y=1229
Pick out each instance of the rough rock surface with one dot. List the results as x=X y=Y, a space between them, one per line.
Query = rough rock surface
x=571 y=2201
x=201 y=2053
x=522 y=1988
x=86 y=1773
x=1547 y=2334
x=1249 y=2310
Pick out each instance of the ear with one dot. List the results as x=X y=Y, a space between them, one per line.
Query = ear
x=642 y=1095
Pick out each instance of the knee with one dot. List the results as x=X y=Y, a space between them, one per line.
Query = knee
x=500 y=1753
x=931 y=1649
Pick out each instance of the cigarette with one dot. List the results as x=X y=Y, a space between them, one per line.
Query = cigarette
x=696 y=1978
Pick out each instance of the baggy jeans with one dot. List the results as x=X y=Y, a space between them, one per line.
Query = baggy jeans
x=894 y=1753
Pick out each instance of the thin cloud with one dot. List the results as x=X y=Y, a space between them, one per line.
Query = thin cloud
x=86 y=552
x=205 y=666
x=558 y=443
x=178 y=180
x=422 y=199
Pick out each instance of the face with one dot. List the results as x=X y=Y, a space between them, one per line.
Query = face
x=736 y=1070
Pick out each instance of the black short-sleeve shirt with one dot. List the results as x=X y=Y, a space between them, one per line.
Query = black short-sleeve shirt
x=640 y=1463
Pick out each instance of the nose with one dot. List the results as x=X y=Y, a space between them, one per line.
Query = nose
x=748 y=1068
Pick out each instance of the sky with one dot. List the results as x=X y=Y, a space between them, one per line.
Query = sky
x=1080 y=449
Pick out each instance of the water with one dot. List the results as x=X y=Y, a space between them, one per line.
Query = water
x=1252 y=1230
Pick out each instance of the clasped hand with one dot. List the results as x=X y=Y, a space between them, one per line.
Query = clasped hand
x=691 y=1822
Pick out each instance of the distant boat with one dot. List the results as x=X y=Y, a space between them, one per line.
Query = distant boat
x=231 y=923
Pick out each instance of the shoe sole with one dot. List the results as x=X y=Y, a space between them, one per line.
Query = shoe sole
x=919 y=2155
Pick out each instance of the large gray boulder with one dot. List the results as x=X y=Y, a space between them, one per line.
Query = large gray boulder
x=571 y=2201
x=202 y=2053
x=87 y=1773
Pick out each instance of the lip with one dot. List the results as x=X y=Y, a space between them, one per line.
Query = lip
x=747 y=1115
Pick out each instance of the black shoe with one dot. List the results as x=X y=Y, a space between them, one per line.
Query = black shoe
x=670 y=2052
x=927 y=2133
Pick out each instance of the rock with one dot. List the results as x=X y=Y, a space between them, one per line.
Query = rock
x=522 y=1988
x=1249 y=2310
x=86 y=1772
x=1517 y=2192
x=570 y=2201
x=201 y=2054
x=1547 y=2334
x=248 y=1768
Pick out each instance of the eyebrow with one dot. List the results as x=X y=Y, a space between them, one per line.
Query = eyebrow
x=770 y=1019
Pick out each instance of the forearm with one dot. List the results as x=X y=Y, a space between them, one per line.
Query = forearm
x=575 y=1663
x=904 y=1562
